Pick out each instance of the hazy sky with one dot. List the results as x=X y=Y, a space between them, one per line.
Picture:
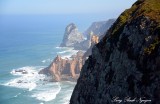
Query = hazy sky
x=63 y=6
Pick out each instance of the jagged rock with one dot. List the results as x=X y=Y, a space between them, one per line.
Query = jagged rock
x=69 y=69
x=126 y=62
x=71 y=36
x=65 y=69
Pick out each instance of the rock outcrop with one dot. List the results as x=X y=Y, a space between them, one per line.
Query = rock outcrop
x=99 y=28
x=65 y=69
x=68 y=69
x=71 y=36
x=125 y=64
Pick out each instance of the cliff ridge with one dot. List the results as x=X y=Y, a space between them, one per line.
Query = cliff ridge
x=126 y=61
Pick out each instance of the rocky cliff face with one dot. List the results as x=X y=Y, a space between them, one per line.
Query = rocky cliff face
x=99 y=28
x=125 y=64
x=68 y=69
x=65 y=69
x=71 y=36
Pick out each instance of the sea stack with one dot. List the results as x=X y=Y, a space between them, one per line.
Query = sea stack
x=126 y=62
x=71 y=36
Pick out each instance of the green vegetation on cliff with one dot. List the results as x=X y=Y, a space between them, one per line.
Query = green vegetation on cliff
x=152 y=46
x=148 y=8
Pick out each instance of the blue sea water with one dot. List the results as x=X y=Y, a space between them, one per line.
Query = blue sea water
x=30 y=43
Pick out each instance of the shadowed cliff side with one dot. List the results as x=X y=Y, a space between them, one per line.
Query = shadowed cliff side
x=126 y=62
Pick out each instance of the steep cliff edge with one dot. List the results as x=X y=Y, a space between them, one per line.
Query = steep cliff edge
x=126 y=62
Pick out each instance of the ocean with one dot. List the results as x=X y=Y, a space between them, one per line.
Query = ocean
x=29 y=44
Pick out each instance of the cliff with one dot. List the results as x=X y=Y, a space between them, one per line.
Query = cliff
x=71 y=36
x=65 y=69
x=68 y=69
x=125 y=64
x=99 y=28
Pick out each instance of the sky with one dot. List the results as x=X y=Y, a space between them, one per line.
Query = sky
x=63 y=6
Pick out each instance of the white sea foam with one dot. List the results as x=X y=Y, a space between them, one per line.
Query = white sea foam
x=70 y=82
x=28 y=77
x=47 y=92
x=58 y=47
x=46 y=95
x=39 y=86
x=65 y=47
x=44 y=61
x=62 y=52
x=65 y=93
x=47 y=60
x=68 y=53
x=66 y=98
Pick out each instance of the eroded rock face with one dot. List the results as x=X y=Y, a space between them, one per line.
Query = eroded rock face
x=65 y=69
x=69 y=69
x=125 y=63
x=71 y=36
